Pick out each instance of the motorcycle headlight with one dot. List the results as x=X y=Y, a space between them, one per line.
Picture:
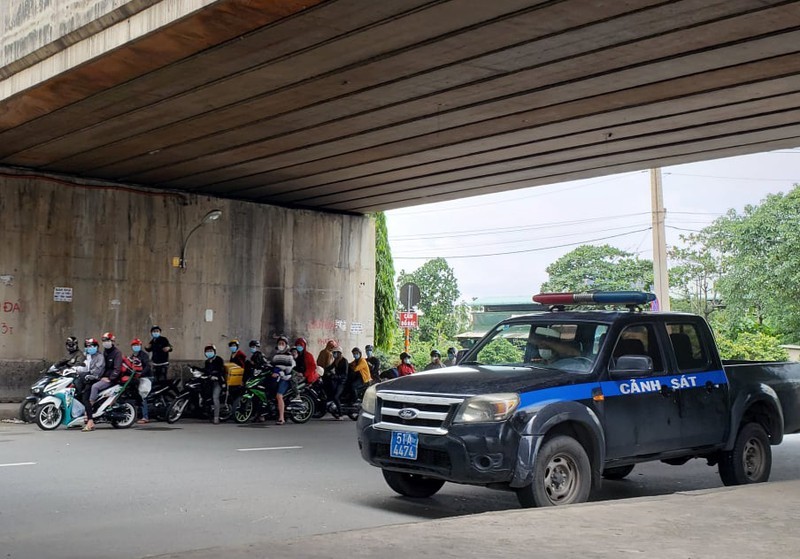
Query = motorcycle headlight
x=36 y=390
x=487 y=408
x=369 y=401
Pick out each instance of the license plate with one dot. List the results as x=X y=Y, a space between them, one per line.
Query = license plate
x=404 y=445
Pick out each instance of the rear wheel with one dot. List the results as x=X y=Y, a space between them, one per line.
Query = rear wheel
x=124 y=416
x=48 y=416
x=620 y=472
x=225 y=411
x=562 y=475
x=176 y=409
x=750 y=460
x=243 y=410
x=27 y=410
x=303 y=410
x=412 y=485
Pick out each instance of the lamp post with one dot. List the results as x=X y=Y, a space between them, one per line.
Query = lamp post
x=213 y=215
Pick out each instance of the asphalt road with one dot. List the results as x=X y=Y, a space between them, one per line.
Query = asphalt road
x=160 y=489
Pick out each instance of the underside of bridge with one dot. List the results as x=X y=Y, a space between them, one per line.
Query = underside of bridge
x=361 y=106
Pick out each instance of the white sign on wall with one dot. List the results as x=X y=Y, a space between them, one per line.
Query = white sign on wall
x=356 y=328
x=62 y=294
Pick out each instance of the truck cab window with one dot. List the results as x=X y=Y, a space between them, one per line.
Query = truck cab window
x=639 y=340
x=689 y=350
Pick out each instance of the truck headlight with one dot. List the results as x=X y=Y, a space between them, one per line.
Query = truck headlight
x=487 y=408
x=369 y=400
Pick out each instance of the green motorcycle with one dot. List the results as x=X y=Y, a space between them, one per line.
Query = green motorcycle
x=257 y=400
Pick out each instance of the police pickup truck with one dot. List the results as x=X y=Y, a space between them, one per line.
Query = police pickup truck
x=548 y=404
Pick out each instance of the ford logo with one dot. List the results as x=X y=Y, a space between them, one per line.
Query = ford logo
x=408 y=413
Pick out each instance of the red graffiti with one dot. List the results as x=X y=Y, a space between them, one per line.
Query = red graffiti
x=11 y=307
x=321 y=325
x=5 y=329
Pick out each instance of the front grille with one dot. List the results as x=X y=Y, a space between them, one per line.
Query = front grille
x=425 y=457
x=426 y=414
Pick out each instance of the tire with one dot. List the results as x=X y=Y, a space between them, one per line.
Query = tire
x=176 y=409
x=27 y=410
x=225 y=411
x=620 y=472
x=562 y=475
x=307 y=410
x=48 y=416
x=353 y=415
x=243 y=410
x=129 y=416
x=750 y=460
x=412 y=485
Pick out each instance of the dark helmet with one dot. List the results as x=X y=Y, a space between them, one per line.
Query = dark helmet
x=154 y=328
x=451 y=350
x=254 y=343
x=405 y=355
x=212 y=347
x=91 y=342
x=369 y=347
x=283 y=339
x=435 y=353
x=356 y=350
x=72 y=344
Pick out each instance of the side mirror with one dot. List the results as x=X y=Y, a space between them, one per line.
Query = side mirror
x=627 y=366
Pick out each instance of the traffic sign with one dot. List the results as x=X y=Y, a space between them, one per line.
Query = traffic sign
x=409 y=320
x=409 y=296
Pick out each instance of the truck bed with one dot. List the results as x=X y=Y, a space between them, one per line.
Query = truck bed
x=782 y=377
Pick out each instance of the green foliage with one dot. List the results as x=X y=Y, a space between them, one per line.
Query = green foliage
x=501 y=350
x=438 y=287
x=385 y=298
x=598 y=267
x=695 y=275
x=751 y=346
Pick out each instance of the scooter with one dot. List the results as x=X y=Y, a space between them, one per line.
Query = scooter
x=51 y=381
x=350 y=407
x=195 y=399
x=257 y=400
x=162 y=394
x=114 y=405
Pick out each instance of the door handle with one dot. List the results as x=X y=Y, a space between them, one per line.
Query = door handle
x=710 y=386
x=666 y=391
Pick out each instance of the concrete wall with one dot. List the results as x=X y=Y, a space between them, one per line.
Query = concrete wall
x=260 y=270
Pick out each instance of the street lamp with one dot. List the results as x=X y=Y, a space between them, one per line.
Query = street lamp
x=213 y=215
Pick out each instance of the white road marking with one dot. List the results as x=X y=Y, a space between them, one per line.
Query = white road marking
x=268 y=448
x=18 y=464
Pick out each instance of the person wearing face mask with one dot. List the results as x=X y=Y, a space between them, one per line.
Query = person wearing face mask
x=337 y=379
x=214 y=368
x=90 y=370
x=112 y=369
x=305 y=361
x=145 y=377
x=436 y=361
x=360 y=375
x=283 y=363
x=405 y=367
x=160 y=347
x=258 y=364
x=451 y=357
x=237 y=355
x=373 y=362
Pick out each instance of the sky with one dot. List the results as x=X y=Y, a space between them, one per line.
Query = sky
x=501 y=244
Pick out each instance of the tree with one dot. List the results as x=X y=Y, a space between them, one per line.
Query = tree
x=438 y=293
x=695 y=275
x=598 y=267
x=385 y=298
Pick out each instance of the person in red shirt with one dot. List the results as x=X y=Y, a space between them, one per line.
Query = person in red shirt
x=306 y=363
x=405 y=367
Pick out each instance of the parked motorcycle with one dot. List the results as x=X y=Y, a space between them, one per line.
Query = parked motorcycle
x=350 y=407
x=257 y=400
x=162 y=394
x=114 y=405
x=195 y=399
x=319 y=397
x=51 y=380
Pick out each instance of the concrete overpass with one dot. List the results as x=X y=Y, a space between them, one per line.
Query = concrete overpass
x=361 y=106
x=123 y=122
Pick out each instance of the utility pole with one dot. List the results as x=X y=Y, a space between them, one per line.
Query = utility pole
x=659 y=241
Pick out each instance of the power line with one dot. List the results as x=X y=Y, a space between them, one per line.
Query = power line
x=454 y=257
x=732 y=178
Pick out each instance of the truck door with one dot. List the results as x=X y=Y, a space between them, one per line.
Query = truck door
x=640 y=410
x=700 y=383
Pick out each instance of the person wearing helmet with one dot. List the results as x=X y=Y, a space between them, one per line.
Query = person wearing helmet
x=373 y=362
x=436 y=361
x=145 y=378
x=335 y=381
x=306 y=363
x=112 y=370
x=90 y=370
x=257 y=364
x=325 y=357
x=74 y=354
x=214 y=368
x=405 y=367
x=451 y=357
x=237 y=355
x=160 y=347
x=360 y=376
x=283 y=363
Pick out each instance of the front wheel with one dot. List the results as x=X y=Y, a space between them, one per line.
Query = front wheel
x=48 y=416
x=620 y=472
x=303 y=410
x=562 y=475
x=750 y=460
x=243 y=410
x=124 y=416
x=27 y=410
x=176 y=409
x=412 y=485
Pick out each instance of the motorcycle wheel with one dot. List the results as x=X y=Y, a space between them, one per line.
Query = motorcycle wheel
x=176 y=409
x=304 y=411
x=49 y=416
x=128 y=415
x=243 y=410
x=27 y=410
x=225 y=411
x=320 y=409
x=353 y=415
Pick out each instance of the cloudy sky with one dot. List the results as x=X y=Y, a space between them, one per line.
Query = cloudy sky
x=500 y=244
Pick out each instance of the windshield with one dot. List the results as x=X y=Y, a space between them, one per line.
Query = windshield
x=563 y=345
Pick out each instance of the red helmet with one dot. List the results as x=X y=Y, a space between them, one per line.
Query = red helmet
x=90 y=342
x=136 y=341
x=109 y=336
